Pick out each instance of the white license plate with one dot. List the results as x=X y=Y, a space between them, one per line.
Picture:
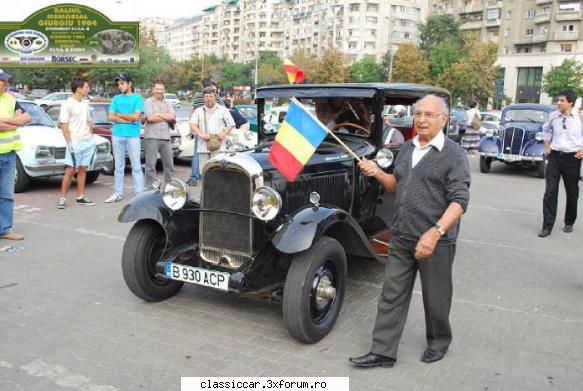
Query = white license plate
x=198 y=276
x=512 y=157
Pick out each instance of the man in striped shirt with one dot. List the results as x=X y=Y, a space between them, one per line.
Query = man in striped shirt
x=211 y=119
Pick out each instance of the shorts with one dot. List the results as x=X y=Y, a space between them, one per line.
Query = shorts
x=83 y=154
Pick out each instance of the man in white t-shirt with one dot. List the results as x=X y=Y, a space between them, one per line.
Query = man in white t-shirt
x=75 y=122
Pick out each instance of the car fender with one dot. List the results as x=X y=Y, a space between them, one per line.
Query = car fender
x=306 y=226
x=491 y=144
x=181 y=226
x=534 y=148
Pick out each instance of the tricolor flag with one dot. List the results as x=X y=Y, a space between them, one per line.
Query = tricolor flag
x=294 y=73
x=299 y=136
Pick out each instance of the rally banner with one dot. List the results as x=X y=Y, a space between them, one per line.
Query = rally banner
x=69 y=35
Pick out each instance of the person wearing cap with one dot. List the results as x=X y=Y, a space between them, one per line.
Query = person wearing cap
x=125 y=111
x=12 y=115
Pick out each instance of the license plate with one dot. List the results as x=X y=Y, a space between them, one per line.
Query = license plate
x=198 y=276
x=512 y=157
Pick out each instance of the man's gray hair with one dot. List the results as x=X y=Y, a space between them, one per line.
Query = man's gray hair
x=440 y=101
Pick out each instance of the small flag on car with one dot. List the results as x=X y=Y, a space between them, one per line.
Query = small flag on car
x=299 y=136
x=294 y=73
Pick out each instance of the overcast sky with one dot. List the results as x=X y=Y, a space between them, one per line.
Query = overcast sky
x=116 y=10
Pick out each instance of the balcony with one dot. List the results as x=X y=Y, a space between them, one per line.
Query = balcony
x=565 y=16
x=493 y=22
x=542 y=2
x=529 y=39
x=472 y=9
x=472 y=25
x=542 y=18
x=566 y=35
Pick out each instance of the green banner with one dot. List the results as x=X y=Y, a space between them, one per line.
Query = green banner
x=69 y=35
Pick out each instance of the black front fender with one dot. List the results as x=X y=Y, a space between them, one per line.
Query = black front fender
x=309 y=224
x=181 y=226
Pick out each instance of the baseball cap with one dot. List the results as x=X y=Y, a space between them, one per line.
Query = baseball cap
x=124 y=77
x=4 y=75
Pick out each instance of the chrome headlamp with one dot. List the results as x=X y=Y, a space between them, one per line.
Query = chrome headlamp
x=539 y=136
x=384 y=158
x=175 y=194
x=266 y=203
x=44 y=152
x=102 y=148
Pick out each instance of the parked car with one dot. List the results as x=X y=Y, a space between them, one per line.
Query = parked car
x=257 y=235
x=102 y=125
x=173 y=99
x=459 y=116
x=250 y=114
x=44 y=149
x=520 y=138
x=37 y=93
x=490 y=121
x=53 y=98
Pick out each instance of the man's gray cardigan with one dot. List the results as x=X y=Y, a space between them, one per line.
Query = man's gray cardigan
x=425 y=191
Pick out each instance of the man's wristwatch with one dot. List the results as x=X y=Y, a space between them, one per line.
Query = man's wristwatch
x=439 y=229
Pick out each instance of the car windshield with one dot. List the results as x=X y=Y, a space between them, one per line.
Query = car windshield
x=352 y=115
x=38 y=115
x=99 y=114
x=170 y=96
x=248 y=112
x=525 y=116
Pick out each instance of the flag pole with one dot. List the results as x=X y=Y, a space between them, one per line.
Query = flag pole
x=350 y=151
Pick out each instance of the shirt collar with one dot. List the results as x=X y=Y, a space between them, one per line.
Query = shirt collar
x=438 y=142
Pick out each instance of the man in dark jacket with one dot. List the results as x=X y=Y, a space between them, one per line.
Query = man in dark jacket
x=431 y=178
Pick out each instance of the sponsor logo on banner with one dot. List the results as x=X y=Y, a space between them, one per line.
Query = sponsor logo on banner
x=64 y=59
x=26 y=42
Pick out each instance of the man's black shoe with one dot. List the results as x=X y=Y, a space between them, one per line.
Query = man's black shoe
x=568 y=228
x=544 y=233
x=371 y=360
x=430 y=356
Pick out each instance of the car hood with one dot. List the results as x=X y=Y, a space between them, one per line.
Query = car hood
x=529 y=126
x=32 y=136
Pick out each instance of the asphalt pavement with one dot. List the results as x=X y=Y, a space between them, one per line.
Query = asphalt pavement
x=68 y=322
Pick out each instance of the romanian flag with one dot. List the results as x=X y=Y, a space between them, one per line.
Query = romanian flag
x=299 y=136
x=294 y=73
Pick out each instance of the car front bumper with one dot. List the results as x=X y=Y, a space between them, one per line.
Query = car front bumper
x=58 y=167
x=513 y=158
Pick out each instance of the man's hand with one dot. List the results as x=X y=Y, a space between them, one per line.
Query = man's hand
x=547 y=151
x=368 y=167
x=579 y=154
x=426 y=244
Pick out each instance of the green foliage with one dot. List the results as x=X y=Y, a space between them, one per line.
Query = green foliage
x=439 y=28
x=442 y=56
x=270 y=58
x=235 y=74
x=567 y=75
x=306 y=63
x=332 y=68
x=410 y=66
x=271 y=74
x=366 y=70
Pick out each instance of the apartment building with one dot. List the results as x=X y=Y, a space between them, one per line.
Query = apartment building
x=241 y=29
x=532 y=36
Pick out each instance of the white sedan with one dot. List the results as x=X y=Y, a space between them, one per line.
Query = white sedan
x=44 y=149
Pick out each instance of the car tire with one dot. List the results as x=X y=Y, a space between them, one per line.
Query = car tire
x=22 y=180
x=91 y=177
x=324 y=265
x=485 y=163
x=541 y=168
x=142 y=249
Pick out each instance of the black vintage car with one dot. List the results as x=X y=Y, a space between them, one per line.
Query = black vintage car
x=257 y=235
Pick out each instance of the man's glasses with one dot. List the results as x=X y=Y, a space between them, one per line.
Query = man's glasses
x=564 y=126
x=419 y=115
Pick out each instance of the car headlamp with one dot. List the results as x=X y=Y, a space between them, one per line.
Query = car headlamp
x=384 y=158
x=175 y=194
x=43 y=151
x=490 y=133
x=102 y=148
x=539 y=136
x=266 y=203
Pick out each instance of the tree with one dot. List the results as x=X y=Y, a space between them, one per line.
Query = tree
x=474 y=76
x=271 y=74
x=442 y=56
x=306 y=63
x=366 y=70
x=332 y=68
x=235 y=74
x=438 y=29
x=410 y=66
x=567 y=75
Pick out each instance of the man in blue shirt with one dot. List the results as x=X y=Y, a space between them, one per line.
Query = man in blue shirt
x=125 y=111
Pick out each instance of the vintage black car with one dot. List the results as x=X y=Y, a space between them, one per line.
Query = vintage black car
x=520 y=139
x=257 y=235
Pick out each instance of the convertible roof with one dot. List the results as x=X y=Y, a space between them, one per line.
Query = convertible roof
x=363 y=90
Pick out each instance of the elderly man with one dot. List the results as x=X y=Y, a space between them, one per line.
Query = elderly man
x=432 y=178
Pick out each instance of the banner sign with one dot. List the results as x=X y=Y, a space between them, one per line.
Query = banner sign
x=69 y=35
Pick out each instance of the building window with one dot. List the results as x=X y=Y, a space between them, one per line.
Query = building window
x=372 y=7
x=529 y=32
x=371 y=20
x=530 y=14
x=493 y=14
x=566 y=47
x=506 y=33
x=568 y=27
x=354 y=7
x=508 y=14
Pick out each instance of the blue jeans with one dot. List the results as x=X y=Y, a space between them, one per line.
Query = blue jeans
x=7 y=172
x=132 y=145
x=195 y=176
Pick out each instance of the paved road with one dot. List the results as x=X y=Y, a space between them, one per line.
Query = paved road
x=69 y=323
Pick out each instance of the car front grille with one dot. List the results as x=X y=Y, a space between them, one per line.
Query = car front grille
x=60 y=153
x=512 y=140
x=226 y=237
x=332 y=188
